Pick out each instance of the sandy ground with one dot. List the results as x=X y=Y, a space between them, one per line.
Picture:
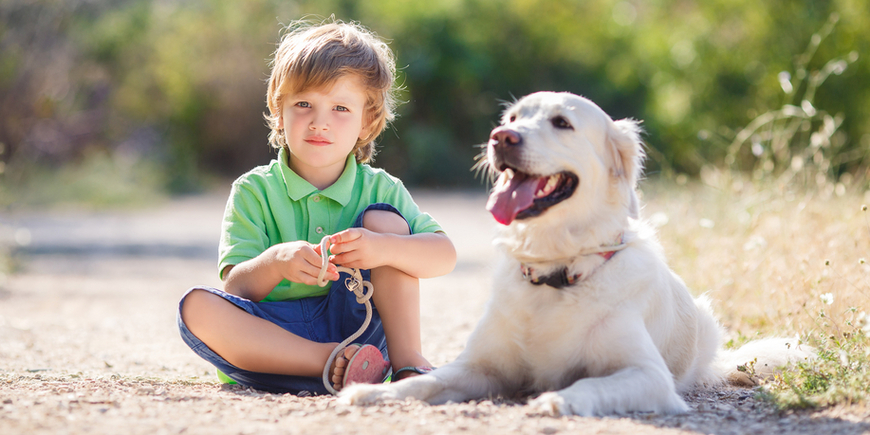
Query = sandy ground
x=88 y=342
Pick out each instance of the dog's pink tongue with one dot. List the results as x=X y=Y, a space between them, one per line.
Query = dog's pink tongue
x=511 y=195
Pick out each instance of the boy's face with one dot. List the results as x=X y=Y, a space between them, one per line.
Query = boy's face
x=322 y=127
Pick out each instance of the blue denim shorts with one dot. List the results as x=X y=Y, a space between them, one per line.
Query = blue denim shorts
x=324 y=319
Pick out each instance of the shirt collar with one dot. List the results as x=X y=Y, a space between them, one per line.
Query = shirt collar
x=298 y=187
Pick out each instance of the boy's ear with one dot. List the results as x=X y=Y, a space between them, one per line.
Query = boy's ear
x=275 y=107
x=365 y=132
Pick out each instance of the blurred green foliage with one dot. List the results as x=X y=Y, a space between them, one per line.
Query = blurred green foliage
x=180 y=85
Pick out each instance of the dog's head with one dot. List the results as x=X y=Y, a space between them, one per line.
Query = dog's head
x=561 y=162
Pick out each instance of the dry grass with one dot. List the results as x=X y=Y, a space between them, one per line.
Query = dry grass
x=88 y=343
x=778 y=262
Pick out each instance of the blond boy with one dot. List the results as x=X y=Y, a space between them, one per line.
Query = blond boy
x=330 y=95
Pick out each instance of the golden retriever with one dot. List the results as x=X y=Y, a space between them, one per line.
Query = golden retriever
x=584 y=309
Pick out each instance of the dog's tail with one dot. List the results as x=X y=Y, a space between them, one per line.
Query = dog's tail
x=760 y=359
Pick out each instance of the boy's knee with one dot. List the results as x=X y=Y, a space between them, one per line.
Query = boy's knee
x=382 y=221
x=196 y=302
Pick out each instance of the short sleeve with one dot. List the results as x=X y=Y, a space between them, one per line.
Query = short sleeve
x=420 y=222
x=243 y=231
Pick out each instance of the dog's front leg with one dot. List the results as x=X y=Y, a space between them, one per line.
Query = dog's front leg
x=455 y=382
x=632 y=389
x=634 y=379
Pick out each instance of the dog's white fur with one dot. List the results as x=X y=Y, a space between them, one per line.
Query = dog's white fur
x=628 y=336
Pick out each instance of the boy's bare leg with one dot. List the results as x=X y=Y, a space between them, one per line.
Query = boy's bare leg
x=397 y=297
x=254 y=344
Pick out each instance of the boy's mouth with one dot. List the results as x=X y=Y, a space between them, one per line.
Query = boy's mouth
x=317 y=140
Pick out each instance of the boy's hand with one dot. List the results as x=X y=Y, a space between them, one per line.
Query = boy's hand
x=358 y=248
x=301 y=262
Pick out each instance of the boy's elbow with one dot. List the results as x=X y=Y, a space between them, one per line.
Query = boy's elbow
x=234 y=285
x=243 y=292
x=231 y=286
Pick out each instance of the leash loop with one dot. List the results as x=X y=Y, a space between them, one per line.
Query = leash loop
x=363 y=291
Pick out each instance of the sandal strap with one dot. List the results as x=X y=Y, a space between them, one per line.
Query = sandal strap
x=420 y=370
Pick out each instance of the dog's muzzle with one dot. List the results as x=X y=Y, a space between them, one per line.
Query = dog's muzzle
x=505 y=148
x=517 y=193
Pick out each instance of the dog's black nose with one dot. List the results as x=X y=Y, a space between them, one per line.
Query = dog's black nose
x=504 y=137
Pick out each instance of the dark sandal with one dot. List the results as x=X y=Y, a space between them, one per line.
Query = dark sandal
x=420 y=370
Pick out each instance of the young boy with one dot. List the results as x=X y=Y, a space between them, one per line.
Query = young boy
x=330 y=95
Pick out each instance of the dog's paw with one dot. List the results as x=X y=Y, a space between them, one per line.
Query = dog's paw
x=555 y=404
x=366 y=394
x=548 y=404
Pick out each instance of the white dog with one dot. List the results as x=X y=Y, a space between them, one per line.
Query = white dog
x=584 y=308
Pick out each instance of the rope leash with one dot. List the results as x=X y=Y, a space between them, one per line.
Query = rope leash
x=363 y=291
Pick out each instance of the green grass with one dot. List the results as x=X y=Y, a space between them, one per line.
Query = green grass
x=840 y=373
x=98 y=181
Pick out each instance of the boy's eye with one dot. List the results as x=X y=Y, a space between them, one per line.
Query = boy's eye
x=341 y=109
x=303 y=104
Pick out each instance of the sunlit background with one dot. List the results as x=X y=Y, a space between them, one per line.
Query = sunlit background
x=134 y=98
x=141 y=112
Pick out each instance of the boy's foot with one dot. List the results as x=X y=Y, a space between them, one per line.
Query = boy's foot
x=357 y=364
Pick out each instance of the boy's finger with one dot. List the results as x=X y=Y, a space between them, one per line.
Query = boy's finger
x=330 y=269
x=312 y=272
x=313 y=256
x=345 y=236
x=312 y=279
x=346 y=260
x=331 y=273
x=317 y=250
x=305 y=276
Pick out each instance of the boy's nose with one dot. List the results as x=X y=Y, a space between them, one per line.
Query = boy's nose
x=319 y=123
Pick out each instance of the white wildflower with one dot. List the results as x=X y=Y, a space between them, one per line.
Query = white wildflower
x=827 y=298
x=863 y=322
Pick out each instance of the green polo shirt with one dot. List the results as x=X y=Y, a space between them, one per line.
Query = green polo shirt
x=271 y=204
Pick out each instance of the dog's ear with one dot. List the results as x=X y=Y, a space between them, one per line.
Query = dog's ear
x=626 y=153
x=626 y=149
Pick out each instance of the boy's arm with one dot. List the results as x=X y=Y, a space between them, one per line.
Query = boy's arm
x=422 y=255
x=254 y=279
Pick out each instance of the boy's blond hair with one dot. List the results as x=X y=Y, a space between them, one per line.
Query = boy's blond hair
x=314 y=56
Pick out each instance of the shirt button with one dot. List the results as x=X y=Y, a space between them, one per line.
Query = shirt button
x=316 y=198
x=318 y=230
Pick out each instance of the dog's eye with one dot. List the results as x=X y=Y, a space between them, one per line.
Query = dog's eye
x=561 y=122
x=512 y=118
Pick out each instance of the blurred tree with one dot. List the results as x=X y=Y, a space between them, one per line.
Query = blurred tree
x=182 y=84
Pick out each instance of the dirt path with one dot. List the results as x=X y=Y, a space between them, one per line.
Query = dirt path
x=88 y=342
